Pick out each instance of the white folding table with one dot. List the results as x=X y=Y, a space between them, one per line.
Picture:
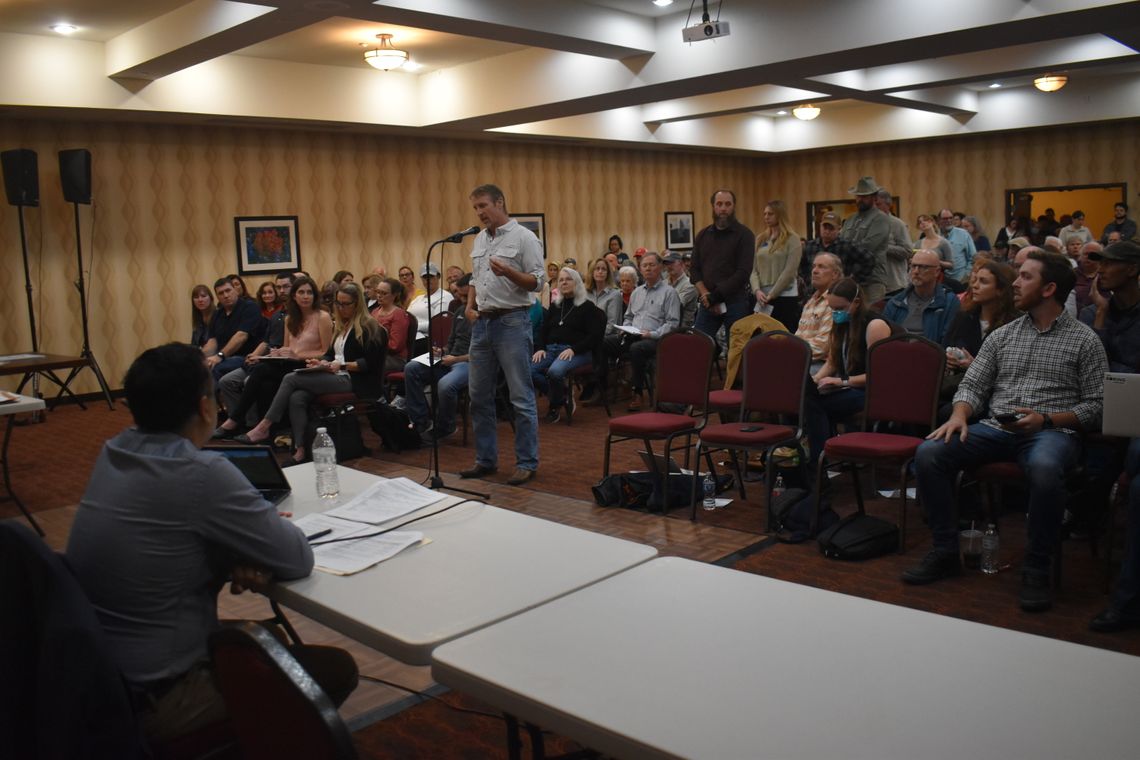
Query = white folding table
x=483 y=564
x=10 y=410
x=676 y=658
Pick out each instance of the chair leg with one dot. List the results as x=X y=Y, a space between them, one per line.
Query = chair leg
x=665 y=477
x=695 y=478
x=902 y=508
x=858 y=488
x=819 y=470
x=739 y=471
x=606 y=465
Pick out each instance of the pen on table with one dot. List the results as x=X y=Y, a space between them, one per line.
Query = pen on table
x=319 y=534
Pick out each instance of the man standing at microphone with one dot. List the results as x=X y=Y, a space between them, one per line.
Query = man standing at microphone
x=506 y=270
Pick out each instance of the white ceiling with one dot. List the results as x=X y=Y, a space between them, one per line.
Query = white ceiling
x=594 y=70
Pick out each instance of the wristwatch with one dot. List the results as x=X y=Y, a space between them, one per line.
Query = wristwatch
x=1046 y=421
x=221 y=355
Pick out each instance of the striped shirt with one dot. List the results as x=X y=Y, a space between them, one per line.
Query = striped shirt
x=1060 y=369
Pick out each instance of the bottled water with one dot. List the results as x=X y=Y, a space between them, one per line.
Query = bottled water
x=710 y=492
x=324 y=460
x=990 y=544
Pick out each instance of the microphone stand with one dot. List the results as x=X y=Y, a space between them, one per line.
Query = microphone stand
x=433 y=466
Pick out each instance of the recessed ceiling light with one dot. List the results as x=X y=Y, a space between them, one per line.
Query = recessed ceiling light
x=662 y=3
x=781 y=113
x=995 y=85
x=64 y=28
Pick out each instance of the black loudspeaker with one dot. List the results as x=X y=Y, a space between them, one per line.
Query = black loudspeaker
x=75 y=175
x=21 y=177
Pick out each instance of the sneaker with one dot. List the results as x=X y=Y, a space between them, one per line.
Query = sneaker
x=1035 y=596
x=552 y=416
x=935 y=566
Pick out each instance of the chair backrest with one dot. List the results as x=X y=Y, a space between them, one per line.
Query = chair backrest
x=440 y=329
x=413 y=330
x=61 y=694
x=684 y=368
x=904 y=377
x=776 y=366
x=276 y=708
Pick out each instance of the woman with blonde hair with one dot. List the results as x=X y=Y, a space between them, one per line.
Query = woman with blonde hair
x=351 y=364
x=775 y=265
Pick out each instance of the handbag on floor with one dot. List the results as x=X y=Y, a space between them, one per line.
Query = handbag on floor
x=394 y=427
x=859 y=536
x=343 y=425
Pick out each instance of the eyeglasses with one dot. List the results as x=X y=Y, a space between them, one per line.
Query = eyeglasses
x=924 y=266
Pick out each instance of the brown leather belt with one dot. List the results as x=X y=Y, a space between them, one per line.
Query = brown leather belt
x=496 y=313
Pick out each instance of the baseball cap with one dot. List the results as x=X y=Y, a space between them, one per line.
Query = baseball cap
x=640 y=252
x=831 y=218
x=1126 y=250
x=429 y=270
x=671 y=257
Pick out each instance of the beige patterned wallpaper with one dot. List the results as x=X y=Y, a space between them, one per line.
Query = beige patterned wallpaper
x=166 y=196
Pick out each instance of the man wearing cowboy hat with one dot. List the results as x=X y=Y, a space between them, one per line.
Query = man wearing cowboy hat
x=870 y=229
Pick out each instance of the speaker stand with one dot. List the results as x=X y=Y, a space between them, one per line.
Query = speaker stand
x=86 y=354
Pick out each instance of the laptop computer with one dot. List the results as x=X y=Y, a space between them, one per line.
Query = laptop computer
x=260 y=468
x=1121 y=404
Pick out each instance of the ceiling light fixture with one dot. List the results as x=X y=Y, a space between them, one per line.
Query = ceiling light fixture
x=662 y=3
x=781 y=113
x=1050 y=82
x=806 y=112
x=995 y=85
x=385 y=57
x=64 y=28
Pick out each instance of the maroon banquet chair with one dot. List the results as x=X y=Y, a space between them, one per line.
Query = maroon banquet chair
x=439 y=329
x=684 y=371
x=776 y=366
x=276 y=708
x=904 y=377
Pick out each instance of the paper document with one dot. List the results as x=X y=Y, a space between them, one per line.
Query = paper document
x=424 y=359
x=911 y=493
x=20 y=357
x=628 y=329
x=348 y=557
x=386 y=500
x=315 y=523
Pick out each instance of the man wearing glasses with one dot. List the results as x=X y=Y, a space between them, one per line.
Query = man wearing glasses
x=961 y=245
x=926 y=307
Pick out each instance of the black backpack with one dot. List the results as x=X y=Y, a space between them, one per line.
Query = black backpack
x=394 y=427
x=859 y=536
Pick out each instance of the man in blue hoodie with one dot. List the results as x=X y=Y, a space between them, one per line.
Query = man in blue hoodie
x=926 y=307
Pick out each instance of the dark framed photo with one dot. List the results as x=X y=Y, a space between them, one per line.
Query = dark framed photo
x=678 y=230
x=536 y=223
x=267 y=244
x=843 y=208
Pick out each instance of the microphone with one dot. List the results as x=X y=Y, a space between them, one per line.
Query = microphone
x=472 y=230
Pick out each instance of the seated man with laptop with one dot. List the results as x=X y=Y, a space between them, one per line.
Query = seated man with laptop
x=158 y=531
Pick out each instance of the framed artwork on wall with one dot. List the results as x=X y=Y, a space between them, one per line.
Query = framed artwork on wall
x=267 y=244
x=844 y=207
x=678 y=230
x=536 y=223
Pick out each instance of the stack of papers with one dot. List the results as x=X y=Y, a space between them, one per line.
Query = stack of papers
x=384 y=501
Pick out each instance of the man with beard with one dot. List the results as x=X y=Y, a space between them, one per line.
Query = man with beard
x=722 y=262
x=1041 y=378
x=869 y=229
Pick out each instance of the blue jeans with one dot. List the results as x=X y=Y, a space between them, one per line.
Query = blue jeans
x=225 y=366
x=1126 y=597
x=450 y=381
x=1044 y=456
x=709 y=323
x=504 y=343
x=549 y=375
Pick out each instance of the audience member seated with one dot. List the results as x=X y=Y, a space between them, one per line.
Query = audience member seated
x=440 y=299
x=267 y=300
x=1076 y=230
x=773 y=276
x=1121 y=227
x=974 y=228
x=235 y=330
x=571 y=332
x=239 y=286
x=1116 y=320
x=394 y=320
x=602 y=291
x=369 y=284
x=988 y=305
x=450 y=368
x=308 y=334
x=627 y=281
x=232 y=384
x=686 y=291
x=407 y=278
x=550 y=294
x=352 y=364
x=836 y=392
x=342 y=277
x=328 y=296
x=1047 y=370
x=654 y=310
x=201 y=312
x=453 y=274
x=1087 y=269
x=160 y=527
x=925 y=308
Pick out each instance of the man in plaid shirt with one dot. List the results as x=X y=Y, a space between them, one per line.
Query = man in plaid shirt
x=1047 y=370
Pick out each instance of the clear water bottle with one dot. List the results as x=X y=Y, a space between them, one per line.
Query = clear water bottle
x=710 y=492
x=324 y=460
x=778 y=488
x=990 y=544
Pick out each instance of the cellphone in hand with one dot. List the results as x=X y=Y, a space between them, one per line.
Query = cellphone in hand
x=1009 y=418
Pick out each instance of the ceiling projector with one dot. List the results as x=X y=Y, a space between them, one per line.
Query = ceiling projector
x=706 y=30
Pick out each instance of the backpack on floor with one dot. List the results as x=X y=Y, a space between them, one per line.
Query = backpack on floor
x=394 y=427
x=859 y=536
x=343 y=427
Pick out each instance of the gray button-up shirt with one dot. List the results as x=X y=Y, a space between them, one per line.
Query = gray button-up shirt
x=516 y=246
x=656 y=310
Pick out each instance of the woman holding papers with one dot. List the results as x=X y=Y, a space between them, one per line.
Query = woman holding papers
x=352 y=364
x=308 y=333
